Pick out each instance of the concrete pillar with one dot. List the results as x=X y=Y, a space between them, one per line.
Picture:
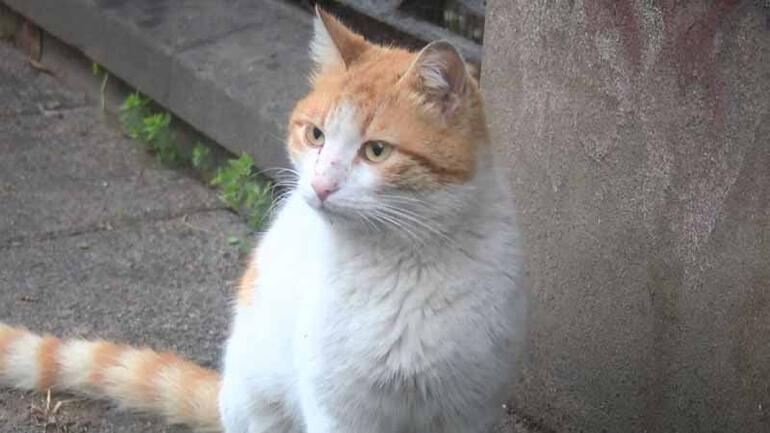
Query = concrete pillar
x=638 y=139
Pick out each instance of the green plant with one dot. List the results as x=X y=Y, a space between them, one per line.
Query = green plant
x=99 y=71
x=241 y=190
x=154 y=126
x=131 y=114
x=258 y=200
x=201 y=157
x=243 y=243
x=156 y=132
x=240 y=186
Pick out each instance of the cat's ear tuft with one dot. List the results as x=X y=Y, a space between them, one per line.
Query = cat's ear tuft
x=473 y=70
x=334 y=44
x=440 y=72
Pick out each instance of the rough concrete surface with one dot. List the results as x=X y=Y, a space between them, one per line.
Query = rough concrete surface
x=85 y=190
x=97 y=240
x=233 y=70
x=638 y=141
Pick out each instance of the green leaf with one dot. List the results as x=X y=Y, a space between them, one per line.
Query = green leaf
x=245 y=247
x=131 y=114
x=250 y=195
x=242 y=190
x=242 y=165
x=134 y=100
x=155 y=124
x=232 y=197
x=224 y=176
x=200 y=156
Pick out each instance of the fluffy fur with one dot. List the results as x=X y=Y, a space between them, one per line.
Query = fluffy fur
x=392 y=304
x=139 y=379
x=389 y=303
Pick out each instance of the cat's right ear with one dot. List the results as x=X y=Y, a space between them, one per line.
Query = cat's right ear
x=334 y=44
x=440 y=74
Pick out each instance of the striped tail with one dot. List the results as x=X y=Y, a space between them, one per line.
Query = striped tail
x=138 y=379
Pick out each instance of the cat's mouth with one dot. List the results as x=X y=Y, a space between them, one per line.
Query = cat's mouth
x=334 y=205
x=338 y=210
x=326 y=207
x=332 y=210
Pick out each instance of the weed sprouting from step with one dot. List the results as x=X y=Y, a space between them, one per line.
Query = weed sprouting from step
x=240 y=185
x=131 y=114
x=156 y=132
x=232 y=179
x=201 y=157
x=242 y=190
x=153 y=129
x=99 y=71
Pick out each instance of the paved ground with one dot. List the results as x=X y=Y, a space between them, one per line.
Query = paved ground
x=98 y=240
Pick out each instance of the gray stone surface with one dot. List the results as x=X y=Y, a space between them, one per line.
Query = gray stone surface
x=200 y=59
x=243 y=86
x=96 y=183
x=638 y=140
x=98 y=241
x=31 y=94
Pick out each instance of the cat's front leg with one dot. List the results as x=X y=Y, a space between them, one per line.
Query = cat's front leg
x=234 y=408
x=242 y=412
x=247 y=403
x=317 y=419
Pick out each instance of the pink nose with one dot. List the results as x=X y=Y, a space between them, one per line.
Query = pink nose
x=323 y=189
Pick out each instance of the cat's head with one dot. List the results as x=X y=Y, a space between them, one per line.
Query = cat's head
x=382 y=125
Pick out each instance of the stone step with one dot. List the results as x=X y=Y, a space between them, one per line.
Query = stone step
x=232 y=72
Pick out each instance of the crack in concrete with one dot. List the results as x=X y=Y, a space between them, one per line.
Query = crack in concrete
x=104 y=226
x=42 y=112
x=182 y=48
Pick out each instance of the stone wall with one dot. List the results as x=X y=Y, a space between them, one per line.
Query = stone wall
x=638 y=140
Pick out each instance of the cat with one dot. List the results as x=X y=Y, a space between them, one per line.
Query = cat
x=385 y=296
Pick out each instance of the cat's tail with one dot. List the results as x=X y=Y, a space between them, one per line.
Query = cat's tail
x=138 y=379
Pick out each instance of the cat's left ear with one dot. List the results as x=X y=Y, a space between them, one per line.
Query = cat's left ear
x=334 y=44
x=441 y=75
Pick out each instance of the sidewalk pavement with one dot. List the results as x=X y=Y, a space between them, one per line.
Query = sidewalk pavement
x=100 y=241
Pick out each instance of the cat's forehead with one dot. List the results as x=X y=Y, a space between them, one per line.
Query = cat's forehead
x=377 y=72
x=365 y=85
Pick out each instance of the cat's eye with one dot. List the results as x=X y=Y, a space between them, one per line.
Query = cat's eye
x=314 y=136
x=377 y=151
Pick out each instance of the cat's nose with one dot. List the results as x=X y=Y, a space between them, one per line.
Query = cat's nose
x=323 y=188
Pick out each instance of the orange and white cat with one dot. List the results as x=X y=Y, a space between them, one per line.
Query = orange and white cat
x=384 y=298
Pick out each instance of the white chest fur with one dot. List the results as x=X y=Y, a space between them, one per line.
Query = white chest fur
x=352 y=334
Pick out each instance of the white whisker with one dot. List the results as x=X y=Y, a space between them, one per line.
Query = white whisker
x=416 y=221
x=399 y=225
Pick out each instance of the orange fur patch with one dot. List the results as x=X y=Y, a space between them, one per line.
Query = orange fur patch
x=196 y=381
x=105 y=355
x=246 y=285
x=144 y=378
x=47 y=362
x=391 y=106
